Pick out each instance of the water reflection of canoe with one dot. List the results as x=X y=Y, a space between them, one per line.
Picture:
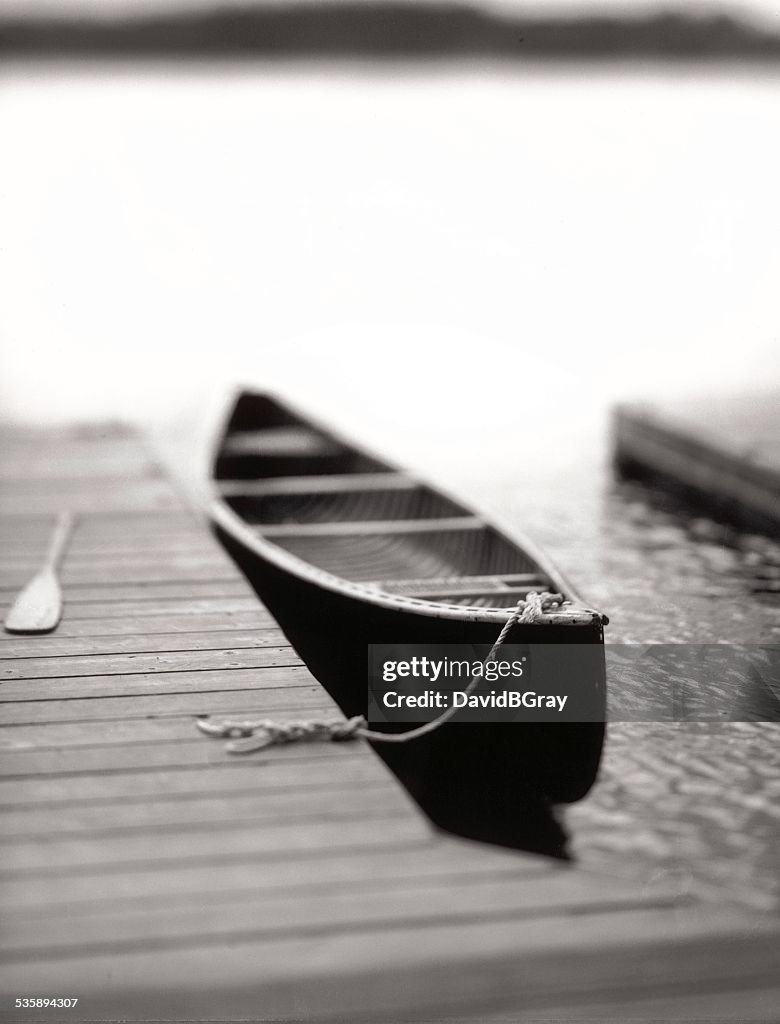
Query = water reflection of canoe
x=346 y=550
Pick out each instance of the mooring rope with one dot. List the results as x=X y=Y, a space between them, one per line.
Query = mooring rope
x=248 y=736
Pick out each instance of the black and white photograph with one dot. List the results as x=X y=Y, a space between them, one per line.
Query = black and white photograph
x=390 y=511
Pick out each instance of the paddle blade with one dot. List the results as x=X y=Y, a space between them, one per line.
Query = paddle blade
x=37 y=608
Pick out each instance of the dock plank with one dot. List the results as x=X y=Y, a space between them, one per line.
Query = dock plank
x=134 y=495
x=56 y=646
x=433 y=862
x=216 y=700
x=147 y=590
x=201 y=770
x=444 y=967
x=280 y=915
x=144 y=755
x=90 y=610
x=141 y=625
x=375 y=797
x=91 y=854
x=114 y=732
x=100 y=665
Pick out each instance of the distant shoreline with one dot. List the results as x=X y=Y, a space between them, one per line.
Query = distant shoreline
x=390 y=31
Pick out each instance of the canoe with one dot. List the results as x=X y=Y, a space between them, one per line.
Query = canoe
x=346 y=550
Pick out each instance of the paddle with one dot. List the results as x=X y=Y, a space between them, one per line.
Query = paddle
x=38 y=607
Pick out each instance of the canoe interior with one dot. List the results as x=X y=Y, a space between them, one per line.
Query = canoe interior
x=339 y=509
x=361 y=519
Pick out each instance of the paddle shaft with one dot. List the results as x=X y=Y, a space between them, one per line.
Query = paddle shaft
x=59 y=541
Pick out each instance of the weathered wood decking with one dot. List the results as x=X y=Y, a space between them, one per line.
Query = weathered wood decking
x=148 y=873
x=725 y=453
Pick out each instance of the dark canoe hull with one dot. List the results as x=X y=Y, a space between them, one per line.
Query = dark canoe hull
x=494 y=782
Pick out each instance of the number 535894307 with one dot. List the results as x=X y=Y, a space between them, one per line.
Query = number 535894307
x=39 y=1003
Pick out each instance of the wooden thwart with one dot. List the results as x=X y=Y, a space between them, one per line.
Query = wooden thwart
x=333 y=483
x=385 y=527
x=457 y=584
x=291 y=441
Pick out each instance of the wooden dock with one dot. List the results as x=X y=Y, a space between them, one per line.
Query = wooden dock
x=723 y=453
x=150 y=874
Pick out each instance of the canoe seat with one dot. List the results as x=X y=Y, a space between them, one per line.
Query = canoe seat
x=494 y=599
x=480 y=591
x=293 y=441
x=288 y=452
x=509 y=583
